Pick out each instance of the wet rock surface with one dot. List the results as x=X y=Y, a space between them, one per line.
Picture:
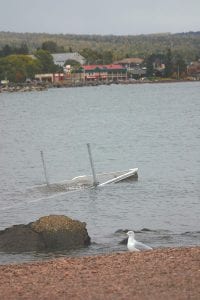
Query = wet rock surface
x=54 y=232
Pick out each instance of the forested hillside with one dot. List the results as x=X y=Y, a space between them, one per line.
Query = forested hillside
x=185 y=44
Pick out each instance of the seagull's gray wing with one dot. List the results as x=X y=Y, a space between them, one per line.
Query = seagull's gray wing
x=142 y=246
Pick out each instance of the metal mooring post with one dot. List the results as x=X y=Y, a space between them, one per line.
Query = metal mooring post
x=95 y=182
x=44 y=168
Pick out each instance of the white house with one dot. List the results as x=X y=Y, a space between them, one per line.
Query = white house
x=60 y=58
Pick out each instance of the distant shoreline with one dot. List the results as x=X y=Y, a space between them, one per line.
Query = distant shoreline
x=28 y=87
x=169 y=273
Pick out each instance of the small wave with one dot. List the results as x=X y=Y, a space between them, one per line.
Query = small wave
x=43 y=198
x=191 y=233
x=143 y=230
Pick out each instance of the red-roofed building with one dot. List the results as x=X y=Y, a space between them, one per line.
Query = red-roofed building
x=104 y=72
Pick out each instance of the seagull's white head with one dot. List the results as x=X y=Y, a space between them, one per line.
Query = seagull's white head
x=131 y=234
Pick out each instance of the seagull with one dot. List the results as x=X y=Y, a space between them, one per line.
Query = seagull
x=134 y=245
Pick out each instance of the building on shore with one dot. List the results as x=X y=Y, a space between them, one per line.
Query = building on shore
x=60 y=58
x=112 y=72
x=50 y=77
x=193 y=70
x=107 y=73
x=134 y=66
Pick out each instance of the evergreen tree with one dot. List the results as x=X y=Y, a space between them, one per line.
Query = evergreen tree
x=46 y=61
x=107 y=57
x=6 y=50
x=149 y=66
x=23 y=49
x=168 y=64
x=52 y=47
x=179 y=66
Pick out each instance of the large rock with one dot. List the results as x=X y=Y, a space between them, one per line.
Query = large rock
x=54 y=232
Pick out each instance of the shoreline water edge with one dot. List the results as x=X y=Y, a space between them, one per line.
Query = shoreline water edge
x=40 y=86
x=170 y=273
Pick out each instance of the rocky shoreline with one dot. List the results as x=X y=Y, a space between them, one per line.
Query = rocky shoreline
x=158 y=274
x=45 y=85
x=23 y=87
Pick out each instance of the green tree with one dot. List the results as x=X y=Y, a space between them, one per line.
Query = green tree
x=72 y=62
x=32 y=67
x=107 y=57
x=6 y=50
x=23 y=49
x=179 y=66
x=168 y=64
x=149 y=65
x=97 y=57
x=91 y=56
x=16 y=68
x=52 y=47
x=46 y=61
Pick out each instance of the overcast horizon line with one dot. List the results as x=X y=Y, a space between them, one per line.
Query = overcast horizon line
x=99 y=34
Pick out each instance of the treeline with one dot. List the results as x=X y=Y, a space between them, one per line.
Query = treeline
x=186 y=44
x=17 y=64
x=175 y=52
x=8 y=50
x=49 y=46
x=19 y=67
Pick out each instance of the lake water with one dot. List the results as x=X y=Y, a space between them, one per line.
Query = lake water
x=155 y=127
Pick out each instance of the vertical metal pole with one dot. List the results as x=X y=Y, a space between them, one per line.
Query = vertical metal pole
x=178 y=72
x=44 y=167
x=95 y=182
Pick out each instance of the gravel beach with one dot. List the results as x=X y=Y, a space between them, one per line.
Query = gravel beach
x=158 y=274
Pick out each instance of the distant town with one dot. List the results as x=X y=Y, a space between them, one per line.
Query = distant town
x=51 y=65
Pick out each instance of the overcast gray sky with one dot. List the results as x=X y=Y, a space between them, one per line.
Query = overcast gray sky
x=118 y=17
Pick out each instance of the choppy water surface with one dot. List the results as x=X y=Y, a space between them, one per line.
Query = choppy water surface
x=155 y=127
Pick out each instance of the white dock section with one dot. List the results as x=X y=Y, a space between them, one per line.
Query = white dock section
x=87 y=181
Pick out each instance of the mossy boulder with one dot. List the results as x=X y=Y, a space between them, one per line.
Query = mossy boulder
x=49 y=233
x=61 y=232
